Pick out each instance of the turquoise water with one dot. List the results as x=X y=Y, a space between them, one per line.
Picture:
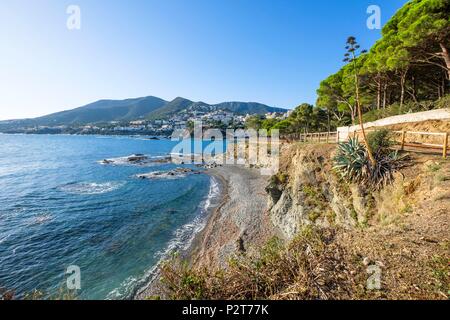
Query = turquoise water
x=59 y=207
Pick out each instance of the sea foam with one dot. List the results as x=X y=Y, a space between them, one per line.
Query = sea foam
x=91 y=188
x=181 y=242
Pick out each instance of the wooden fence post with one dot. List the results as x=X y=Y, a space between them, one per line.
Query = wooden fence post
x=403 y=140
x=445 y=145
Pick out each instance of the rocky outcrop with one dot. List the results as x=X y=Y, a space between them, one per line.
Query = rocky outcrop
x=307 y=191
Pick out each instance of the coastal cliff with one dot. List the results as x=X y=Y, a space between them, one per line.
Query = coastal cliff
x=307 y=191
x=306 y=234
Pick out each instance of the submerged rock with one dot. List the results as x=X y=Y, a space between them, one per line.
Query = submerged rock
x=178 y=172
x=137 y=158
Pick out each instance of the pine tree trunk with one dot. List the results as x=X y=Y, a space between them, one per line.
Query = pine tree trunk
x=446 y=56
x=443 y=89
x=328 y=121
x=379 y=95
x=413 y=89
x=361 y=123
x=402 y=86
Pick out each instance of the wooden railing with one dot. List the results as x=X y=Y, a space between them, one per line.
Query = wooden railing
x=405 y=140
x=418 y=141
x=321 y=137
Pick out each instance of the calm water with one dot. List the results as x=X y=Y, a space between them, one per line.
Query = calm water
x=60 y=207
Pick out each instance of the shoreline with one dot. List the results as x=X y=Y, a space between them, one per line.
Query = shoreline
x=241 y=224
x=150 y=288
x=238 y=223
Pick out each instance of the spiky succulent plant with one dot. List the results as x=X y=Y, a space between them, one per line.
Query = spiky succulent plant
x=353 y=164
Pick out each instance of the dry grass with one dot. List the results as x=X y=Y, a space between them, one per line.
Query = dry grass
x=312 y=266
x=61 y=294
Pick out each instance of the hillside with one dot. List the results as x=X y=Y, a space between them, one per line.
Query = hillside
x=170 y=108
x=150 y=107
x=321 y=237
x=104 y=110
x=180 y=104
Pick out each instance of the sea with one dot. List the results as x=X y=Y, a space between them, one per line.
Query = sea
x=63 y=208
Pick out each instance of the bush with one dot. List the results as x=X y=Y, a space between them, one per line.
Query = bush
x=444 y=102
x=408 y=107
x=312 y=266
x=353 y=164
x=380 y=141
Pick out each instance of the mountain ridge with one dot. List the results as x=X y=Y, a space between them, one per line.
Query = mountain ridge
x=148 y=108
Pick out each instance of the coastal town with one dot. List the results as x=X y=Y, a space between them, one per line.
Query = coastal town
x=218 y=118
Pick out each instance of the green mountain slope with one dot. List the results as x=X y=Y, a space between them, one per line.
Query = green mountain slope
x=132 y=109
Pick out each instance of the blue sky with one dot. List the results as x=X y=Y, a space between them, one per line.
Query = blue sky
x=273 y=52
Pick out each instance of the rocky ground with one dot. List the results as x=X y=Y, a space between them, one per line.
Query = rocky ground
x=404 y=228
x=412 y=244
x=241 y=223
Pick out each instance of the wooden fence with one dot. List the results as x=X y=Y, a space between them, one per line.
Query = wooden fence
x=321 y=137
x=433 y=142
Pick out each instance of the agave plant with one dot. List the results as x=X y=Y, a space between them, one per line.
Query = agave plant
x=353 y=163
x=351 y=159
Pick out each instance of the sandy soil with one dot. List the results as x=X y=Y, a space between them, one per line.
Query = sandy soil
x=414 y=249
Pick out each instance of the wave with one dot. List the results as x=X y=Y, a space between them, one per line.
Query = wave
x=181 y=241
x=185 y=154
x=213 y=195
x=40 y=219
x=91 y=188
x=3 y=238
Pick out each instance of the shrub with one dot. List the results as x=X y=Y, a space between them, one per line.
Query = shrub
x=352 y=162
x=408 y=107
x=380 y=141
x=444 y=102
x=6 y=294
x=312 y=266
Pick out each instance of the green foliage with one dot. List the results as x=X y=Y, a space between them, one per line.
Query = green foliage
x=406 y=68
x=408 y=107
x=380 y=141
x=351 y=160
x=254 y=122
x=352 y=163
x=444 y=102
x=441 y=274
x=285 y=126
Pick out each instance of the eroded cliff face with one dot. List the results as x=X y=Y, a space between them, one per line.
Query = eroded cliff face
x=307 y=191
